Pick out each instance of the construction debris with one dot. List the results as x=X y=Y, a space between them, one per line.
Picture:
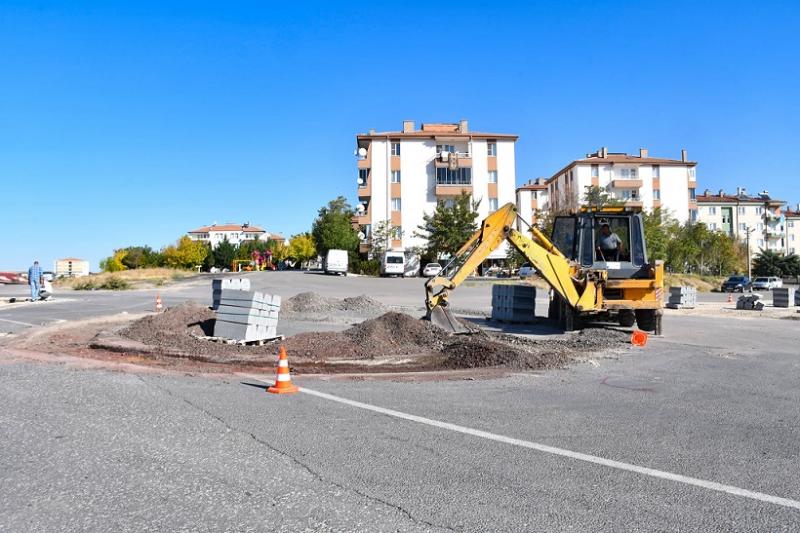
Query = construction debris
x=750 y=302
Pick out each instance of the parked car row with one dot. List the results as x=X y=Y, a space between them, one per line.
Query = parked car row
x=744 y=283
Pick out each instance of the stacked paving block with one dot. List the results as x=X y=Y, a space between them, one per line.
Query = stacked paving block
x=514 y=303
x=797 y=298
x=218 y=285
x=245 y=315
x=750 y=302
x=785 y=297
x=682 y=297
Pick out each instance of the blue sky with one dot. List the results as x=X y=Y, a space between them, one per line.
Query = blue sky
x=130 y=123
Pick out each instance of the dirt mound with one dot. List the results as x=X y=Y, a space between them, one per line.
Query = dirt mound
x=396 y=333
x=311 y=303
x=178 y=321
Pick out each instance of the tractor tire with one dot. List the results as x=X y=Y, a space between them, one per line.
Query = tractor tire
x=627 y=318
x=646 y=319
x=553 y=310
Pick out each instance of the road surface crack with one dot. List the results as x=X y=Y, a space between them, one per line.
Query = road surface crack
x=317 y=475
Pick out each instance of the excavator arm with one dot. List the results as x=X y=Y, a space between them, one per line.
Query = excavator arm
x=554 y=267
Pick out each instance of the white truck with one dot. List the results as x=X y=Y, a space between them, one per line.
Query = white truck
x=393 y=264
x=335 y=262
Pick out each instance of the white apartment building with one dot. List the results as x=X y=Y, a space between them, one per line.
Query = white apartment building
x=737 y=214
x=404 y=174
x=792 y=217
x=235 y=233
x=637 y=180
x=532 y=201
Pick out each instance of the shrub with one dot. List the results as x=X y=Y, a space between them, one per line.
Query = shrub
x=84 y=285
x=114 y=283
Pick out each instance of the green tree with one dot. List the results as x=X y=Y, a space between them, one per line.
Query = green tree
x=224 y=254
x=140 y=257
x=303 y=248
x=333 y=227
x=772 y=263
x=449 y=226
x=791 y=265
x=595 y=197
x=382 y=234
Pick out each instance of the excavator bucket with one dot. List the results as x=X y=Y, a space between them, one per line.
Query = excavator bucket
x=442 y=317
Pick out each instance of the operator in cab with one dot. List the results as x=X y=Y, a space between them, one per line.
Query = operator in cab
x=610 y=246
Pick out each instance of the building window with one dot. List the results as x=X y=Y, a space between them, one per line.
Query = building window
x=492 y=176
x=445 y=148
x=628 y=173
x=759 y=210
x=595 y=171
x=396 y=176
x=656 y=194
x=395 y=204
x=449 y=203
x=491 y=148
x=691 y=173
x=760 y=243
x=712 y=226
x=395 y=148
x=459 y=176
x=712 y=210
x=742 y=226
x=363 y=174
x=692 y=193
x=492 y=205
x=656 y=171
x=760 y=226
x=693 y=215
x=742 y=210
x=790 y=223
x=397 y=233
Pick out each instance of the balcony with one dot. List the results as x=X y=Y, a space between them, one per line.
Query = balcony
x=626 y=184
x=445 y=159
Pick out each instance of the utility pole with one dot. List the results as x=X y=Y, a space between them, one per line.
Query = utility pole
x=748 y=230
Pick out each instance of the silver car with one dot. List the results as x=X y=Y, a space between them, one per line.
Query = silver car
x=431 y=270
x=767 y=283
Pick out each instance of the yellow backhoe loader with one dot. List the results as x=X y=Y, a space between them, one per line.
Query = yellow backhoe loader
x=588 y=282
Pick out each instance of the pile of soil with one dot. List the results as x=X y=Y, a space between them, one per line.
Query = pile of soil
x=414 y=344
x=311 y=303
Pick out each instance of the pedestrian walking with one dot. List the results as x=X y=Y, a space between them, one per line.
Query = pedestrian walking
x=35 y=280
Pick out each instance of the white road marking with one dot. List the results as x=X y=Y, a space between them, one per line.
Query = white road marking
x=18 y=322
x=619 y=465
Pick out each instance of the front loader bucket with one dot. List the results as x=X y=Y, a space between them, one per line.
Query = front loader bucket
x=442 y=317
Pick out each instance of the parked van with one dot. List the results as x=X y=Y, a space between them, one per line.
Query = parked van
x=393 y=264
x=335 y=262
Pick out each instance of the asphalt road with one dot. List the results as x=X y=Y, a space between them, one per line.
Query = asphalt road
x=87 y=449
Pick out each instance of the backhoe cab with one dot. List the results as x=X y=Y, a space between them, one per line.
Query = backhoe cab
x=592 y=274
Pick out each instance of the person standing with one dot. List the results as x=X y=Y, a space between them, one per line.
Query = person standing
x=35 y=280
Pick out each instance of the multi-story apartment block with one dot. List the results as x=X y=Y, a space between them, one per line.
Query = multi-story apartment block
x=740 y=214
x=637 y=180
x=531 y=202
x=235 y=233
x=404 y=174
x=792 y=217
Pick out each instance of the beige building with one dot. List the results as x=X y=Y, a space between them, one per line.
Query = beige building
x=792 y=217
x=531 y=202
x=739 y=214
x=235 y=233
x=402 y=175
x=70 y=267
x=639 y=180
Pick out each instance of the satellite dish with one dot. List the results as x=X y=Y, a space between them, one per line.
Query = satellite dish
x=361 y=235
x=362 y=152
x=360 y=208
x=360 y=181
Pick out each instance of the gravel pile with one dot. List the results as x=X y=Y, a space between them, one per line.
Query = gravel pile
x=171 y=325
x=313 y=304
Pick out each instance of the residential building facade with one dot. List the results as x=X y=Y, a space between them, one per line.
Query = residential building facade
x=639 y=181
x=739 y=214
x=402 y=175
x=792 y=217
x=235 y=233
x=70 y=267
x=532 y=201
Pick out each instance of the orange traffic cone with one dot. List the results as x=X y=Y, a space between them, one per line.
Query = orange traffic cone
x=283 y=383
x=638 y=338
x=730 y=298
x=159 y=307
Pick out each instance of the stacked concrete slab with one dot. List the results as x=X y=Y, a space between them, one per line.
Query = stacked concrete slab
x=784 y=297
x=514 y=303
x=682 y=297
x=750 y=302
x=245 y=315
x=236 y=284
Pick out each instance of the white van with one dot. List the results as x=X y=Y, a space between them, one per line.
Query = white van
x=393 y=264
x=336 y=262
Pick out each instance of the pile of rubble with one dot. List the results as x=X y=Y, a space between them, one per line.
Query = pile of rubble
x=750 y=302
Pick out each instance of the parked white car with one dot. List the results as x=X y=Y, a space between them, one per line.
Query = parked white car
x=431 y=270
x=767 y=283
x=526 y=271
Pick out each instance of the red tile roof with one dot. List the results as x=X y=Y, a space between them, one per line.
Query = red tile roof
x=228 y=227
x=617 y=158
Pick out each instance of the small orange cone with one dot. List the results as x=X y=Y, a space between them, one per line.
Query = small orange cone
x=730 y=298
x=283 y=383
x=159 y=307
x=638 y=338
